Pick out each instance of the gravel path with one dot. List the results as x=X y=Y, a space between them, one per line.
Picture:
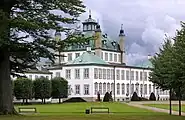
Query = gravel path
x=140 y=105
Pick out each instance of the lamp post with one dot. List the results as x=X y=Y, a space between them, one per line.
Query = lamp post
x=58 y=38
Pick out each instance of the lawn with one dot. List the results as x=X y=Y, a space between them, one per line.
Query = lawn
x=175 y=107
x=76 y=111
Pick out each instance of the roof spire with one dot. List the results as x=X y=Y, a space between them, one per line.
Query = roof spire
x=121 y=31
x=89 y=14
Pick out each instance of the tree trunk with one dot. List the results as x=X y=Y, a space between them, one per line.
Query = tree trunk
x=170 y=101
x=59 y=99
x=44 y=101
x=6 y=100
x=179 y=101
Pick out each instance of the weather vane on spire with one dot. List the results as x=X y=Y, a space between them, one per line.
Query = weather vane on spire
x=121 y=26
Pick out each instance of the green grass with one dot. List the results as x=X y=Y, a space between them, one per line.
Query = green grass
x=175 y=107
x=75 y=111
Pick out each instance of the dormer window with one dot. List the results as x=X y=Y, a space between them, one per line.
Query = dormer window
x=114 y=43
x=104 y=42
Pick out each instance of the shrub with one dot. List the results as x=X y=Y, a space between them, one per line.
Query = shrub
x=74 y=99
x=106 y=97
x=23 y=89
x=135 y=97
x=152 y=97
x=59 y=88
x=42 y=88
x=98 y=97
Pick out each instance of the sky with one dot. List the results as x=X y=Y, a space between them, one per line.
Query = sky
x=145 y=22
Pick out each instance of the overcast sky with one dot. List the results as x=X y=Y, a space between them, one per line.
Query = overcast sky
x=145 y=22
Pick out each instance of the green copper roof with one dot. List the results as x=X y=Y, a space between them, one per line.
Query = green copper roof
x=88 y=58
x=145 y=64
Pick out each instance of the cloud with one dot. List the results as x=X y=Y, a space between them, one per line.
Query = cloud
x=145 y=22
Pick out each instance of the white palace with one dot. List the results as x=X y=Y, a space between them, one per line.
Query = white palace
x=100 y=67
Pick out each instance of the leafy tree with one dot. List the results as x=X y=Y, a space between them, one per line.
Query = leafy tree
x=135 y=97
x=59 y=88
x=169 y=65
x=152 y=97
x=162 y=73
x=106 y=97
x=42 y=89
x=178 y=64
x=34 y=18
x=23 y=89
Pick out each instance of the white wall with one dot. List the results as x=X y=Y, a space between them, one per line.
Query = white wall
x=33 y=76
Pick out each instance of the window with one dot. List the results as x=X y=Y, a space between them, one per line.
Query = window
x=106 y=56
x=132 y=89
x=69 y=56
x=104 y=88
x=137 y=76
x=36 y=77
x=122 y=75
x=145 y=76
x=104 y=74
x=118 y=89
x=141 y=89
x=77 y=73
x=128 y=87
x=86 y=73
x=118 y=74
x=108 y=87
x=150 y=88
x=69 y=90
x=100 y=73
x=86 y=89
x=141 y=76
x=95 y=73
x=68 y=74
x=112 y=88
x=101 y=55
x=30 y=77
x=77 y=89
x=123 y=88
x=95 y=88
x=137 y=88
x=145 y=89
x=100 y=88
x=77 y=55
x=47 y=77
x=57 y=74
x=127 y=75
x=132 y=75
x=112 y=74
x=62 y=57
x=110 y=56
x=119 y=58
x=115 y=57
x=108 y=74
x=154 y=89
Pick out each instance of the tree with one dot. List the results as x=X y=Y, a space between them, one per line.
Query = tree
x=59 y=88
x=162 y=73
x=135 y=97
x=34 y=18
x=106 y=97
x=168 y=72
x=23 y=89
x=152 y=97
x=179 y=64
x=42 y=89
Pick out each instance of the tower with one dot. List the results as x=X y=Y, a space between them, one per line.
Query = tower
x=97 y=40
x=89 y=24
x=122 y=44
